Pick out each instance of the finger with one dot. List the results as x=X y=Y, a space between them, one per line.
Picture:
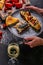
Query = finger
x=29 y=38
x=29 y=7
x=31 y=46
x=28 y=43
x=31 y=43
x=32 y=8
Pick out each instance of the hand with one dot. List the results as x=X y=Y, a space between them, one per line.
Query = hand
x=38 y=10
x=34 y=41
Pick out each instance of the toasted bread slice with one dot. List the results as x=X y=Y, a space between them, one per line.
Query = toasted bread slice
x=32 y=20
x=2 y=3
x=11 y=20
x=35 y=23
x=24 y=14
x=21 y=27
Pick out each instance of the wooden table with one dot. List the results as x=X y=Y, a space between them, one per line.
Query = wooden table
x=28 y=56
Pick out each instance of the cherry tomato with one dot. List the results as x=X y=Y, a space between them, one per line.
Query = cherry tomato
x=8 y=5
x=7 y=1
x=18 y=5
x=0 y=33
x=5 y=9
x=0 y=37
x=13 y=3
x=4 y=26
x=16 y=1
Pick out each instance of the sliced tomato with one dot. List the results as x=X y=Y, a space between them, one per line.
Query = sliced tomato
x=33 y=22
x=29 y=18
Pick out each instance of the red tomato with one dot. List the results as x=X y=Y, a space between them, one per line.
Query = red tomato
x=7 y=1
x=0 y=37
x=33 y=22
x=5 y=9
x=0 y=33
x=8 y=5
x=18 y=5
x=28 y=18
x=15 y=1
x=4 y=26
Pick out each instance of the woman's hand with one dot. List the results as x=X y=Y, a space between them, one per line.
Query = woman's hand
x=34 y=41
x=38 y=10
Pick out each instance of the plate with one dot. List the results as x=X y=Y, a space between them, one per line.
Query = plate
x=30 y=31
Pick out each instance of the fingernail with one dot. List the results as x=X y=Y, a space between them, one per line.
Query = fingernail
x=31 y=46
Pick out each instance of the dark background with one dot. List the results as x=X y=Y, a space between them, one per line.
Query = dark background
x=27 y=56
